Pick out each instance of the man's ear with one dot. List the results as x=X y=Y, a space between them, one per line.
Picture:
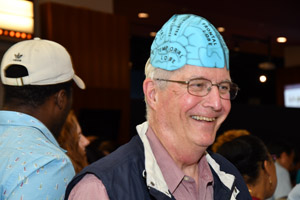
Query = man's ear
x=150 y=92
x=283 y=158
x=61 y=99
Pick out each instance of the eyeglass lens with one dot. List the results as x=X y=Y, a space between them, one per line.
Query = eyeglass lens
x=201 y=87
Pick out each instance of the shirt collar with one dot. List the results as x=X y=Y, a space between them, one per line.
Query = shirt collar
x=226 y=178
x=154 y=177
x=13 y=118
x=171 y=172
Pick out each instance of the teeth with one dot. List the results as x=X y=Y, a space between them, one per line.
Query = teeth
x=200 y=118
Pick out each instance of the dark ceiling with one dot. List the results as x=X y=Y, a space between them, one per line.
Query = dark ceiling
x=253 y=20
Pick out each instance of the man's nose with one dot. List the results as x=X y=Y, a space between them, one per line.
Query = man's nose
x=214 y=98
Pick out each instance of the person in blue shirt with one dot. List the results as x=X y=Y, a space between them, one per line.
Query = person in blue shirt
x=37 y=76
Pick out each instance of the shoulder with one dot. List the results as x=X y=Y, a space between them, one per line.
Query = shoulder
x=27 y=157
x=295 y=193
x=23 y=142
x=225 y=165
x=220 y=165
x=129 y=153
x=281 y=172
x=89 y=187
x=124 y=166
x=223 y=168
x=25 y=173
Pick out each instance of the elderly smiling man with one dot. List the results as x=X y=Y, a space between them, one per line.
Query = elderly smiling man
x=187 y=92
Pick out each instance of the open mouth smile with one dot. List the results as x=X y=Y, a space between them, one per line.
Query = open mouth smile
x=201 y=118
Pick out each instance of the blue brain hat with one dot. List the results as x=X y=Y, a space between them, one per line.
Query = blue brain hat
x=188 y=39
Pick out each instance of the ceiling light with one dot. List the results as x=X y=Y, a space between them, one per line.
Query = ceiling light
x=221 y=29
x=16 y=15
x=266 y=65
x=143 y=15
x=281 y=40
x=262 y=78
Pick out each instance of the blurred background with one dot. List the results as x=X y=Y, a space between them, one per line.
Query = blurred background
x=109 y=41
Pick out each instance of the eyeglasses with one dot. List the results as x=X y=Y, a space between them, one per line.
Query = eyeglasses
x=201 y=87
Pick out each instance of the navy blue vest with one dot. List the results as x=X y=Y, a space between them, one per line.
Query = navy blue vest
x=122 y=174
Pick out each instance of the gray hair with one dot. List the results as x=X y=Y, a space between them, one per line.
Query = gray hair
x=152 y=73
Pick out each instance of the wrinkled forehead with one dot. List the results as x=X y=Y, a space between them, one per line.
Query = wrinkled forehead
x=189 y=72
x=189 y=39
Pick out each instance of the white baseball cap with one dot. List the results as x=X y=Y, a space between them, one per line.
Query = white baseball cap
x=47 y=63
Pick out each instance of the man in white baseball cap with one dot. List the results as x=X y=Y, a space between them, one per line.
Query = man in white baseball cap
x=37 y=76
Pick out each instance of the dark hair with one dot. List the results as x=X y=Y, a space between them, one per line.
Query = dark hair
x=247 y=153
x=33 y=95
x=277 y=147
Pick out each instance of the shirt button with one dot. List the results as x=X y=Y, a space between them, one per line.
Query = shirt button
x=186 y=178
x=152 y=183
